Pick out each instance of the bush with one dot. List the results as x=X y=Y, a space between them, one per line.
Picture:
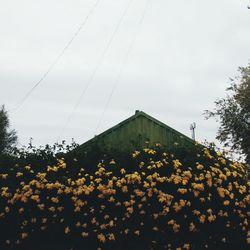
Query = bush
x=150 y=200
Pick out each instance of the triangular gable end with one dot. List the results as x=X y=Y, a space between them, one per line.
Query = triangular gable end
x=134 y=132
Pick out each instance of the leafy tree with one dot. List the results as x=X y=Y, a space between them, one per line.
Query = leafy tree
x=233 y=113
x=8 y=138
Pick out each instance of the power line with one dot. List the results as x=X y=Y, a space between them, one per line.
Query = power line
x=59 y=56
x=118 y=77
x=95 y=70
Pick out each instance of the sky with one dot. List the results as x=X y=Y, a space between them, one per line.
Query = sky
x=99 y=61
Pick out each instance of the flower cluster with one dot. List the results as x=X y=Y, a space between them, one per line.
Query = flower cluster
x=158 y=203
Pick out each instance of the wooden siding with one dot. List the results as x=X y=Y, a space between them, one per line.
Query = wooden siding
x=132 y=134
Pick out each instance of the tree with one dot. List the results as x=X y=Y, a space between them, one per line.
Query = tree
x=8 y=138
x=233 y=113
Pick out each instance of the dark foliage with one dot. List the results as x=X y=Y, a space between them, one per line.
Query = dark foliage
x=8 y=138
x=42 y=207
x=233 y=113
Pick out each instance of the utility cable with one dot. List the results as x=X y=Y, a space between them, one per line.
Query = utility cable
x=120 y=72
x=82 y=25
x=95 y=70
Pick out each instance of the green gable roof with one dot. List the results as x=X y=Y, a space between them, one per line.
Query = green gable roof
x=133 y=132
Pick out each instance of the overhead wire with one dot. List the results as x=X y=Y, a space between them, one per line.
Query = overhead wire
x=120 y=72
x=95 y=70
x=60 y=55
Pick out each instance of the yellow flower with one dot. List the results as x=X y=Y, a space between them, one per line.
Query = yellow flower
x=202 y=200
x=93 y=221
x=130 y=210
x=145 y=184
x=24 y=235
x=141 y=165
x=84 y=234
x=211 y=218
x=198 y=186
x=111 y=199
x=52 y=169
x=182 y=190
x=248 y=240
x=66 y=230
x=77 y=209
x=159 y=164
x=209 y=182
x=223 y=177
x=242 y=189
x=222 y=160
x=44 y=220
x=135 y=154
x=4 y=176
x=27 y=167
x=111 y=236
x=207 y=153
x=155 y=216
x=21 y=210
x=103 y=226
x=35 y=198
x=40 y=206
x=123 y=171
x=176 y=228
x=176 y=207
x=177 y=163
x=176 y=178
x=101 y=237
x=106 y=216
x=202 y=219
x=199 y=166
x=196 y=193
x=137 y=232
x=149 y=151
x=18 y=174
x=192 y=227
x=124 y=189
x=187 y=246
x=221 y=192
x=112 y=162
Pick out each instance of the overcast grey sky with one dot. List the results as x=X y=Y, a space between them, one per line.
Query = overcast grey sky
x=173 y=63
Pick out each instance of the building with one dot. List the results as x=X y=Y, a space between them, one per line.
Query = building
x=136 y=132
